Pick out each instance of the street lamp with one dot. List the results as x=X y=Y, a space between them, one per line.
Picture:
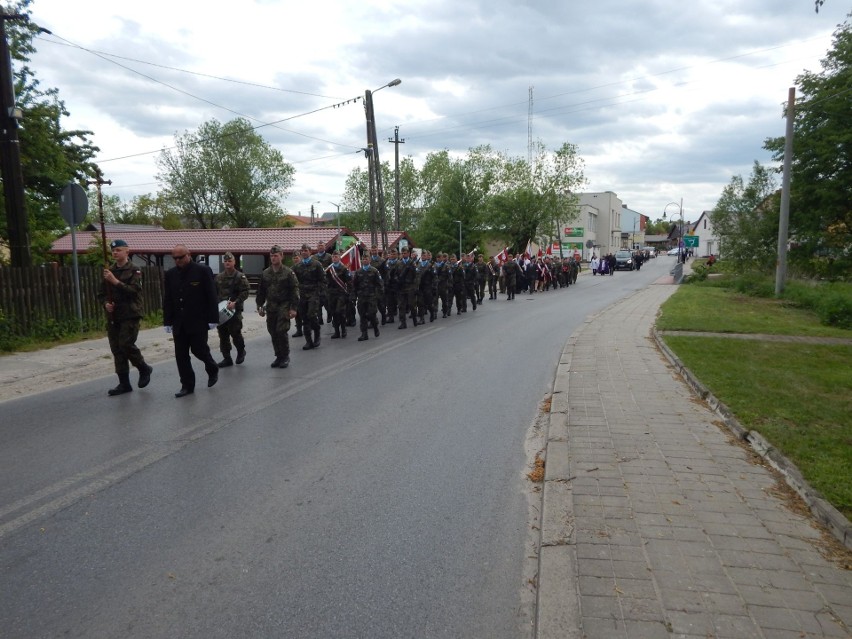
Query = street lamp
x=377 y=205
x=337 y=206
x=312 y=212
x=680 y=235
x=460 y=242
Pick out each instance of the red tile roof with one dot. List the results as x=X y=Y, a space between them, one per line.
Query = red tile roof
x=207 y=241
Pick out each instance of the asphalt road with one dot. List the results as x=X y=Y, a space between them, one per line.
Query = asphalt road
x=373 y=489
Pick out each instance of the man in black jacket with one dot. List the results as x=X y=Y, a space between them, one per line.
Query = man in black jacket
x=190 y=309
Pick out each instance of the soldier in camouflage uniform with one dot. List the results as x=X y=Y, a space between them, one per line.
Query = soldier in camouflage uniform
x=511 y=273
x=443 y=285
x=120 y=293
x=311 y=290
x=493 y=276
x=233 y=286
x=407 y=282
x=339 y=284
x=389 y=276
x=376 y=260
x=324 y=259
x=457 y=284
x=482 y=277
x=471 y=282
x=426 y=288
x=278 y=300
x=367 y=286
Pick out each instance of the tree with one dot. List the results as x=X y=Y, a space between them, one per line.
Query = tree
x=356 y=197
x=225 y=174
x=821 y=185
x=50 y=155
x=746 y=220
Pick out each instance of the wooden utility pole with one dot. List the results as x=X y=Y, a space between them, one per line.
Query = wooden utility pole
x=396 y=141
x=10 y=154
x=377 y=206
x=99 y=182
x=784 y=217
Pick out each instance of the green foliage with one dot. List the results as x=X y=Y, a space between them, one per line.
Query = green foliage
x=50 y=155
x=44 y=330
x=225 y=175
x=746 y=220
x=821 y=185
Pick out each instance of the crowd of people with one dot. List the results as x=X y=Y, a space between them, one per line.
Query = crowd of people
x=385 y=288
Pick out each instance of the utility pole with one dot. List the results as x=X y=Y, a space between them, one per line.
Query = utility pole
x=99 y=182
x=377 y=204
x=784 y=219
x=396 y=141
x=10 y=154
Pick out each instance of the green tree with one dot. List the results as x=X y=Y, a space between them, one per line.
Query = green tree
x=356 y=197
x=50 y=155
x=225 y=174
x=821 y=185
x=746 y=220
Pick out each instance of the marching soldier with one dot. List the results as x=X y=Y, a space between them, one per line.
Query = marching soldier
x=120 y=293
x=406 y=278
x=278 y=300
x=324 y=259
x=457 y=283
x=426 y=288
x=311 y=290
x=367 y=286
x=481 y=277
x=233 y=286
x=470 y=281
x=339 y=288
x=511 y=273
x=391 y=285
x=443 y=285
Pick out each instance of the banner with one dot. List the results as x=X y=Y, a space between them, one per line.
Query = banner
x=573 y=231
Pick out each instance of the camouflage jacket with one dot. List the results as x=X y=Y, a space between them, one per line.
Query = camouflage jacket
x=126 y=295
x=311 y=277
x=278 y=290
x=367 y=283
x=234 y=288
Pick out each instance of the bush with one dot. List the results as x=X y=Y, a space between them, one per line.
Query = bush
x=834 y=308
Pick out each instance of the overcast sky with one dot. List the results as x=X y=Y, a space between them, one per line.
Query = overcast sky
x=665 y=99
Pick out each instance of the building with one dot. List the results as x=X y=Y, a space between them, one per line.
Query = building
x=633 y=226
x=708 y=241
x=601 y=217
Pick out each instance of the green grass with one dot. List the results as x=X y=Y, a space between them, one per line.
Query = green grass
x=798 y=396
x=721 y=310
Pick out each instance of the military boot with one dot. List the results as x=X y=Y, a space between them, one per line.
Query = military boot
x=226 y=361
x=309 y=341
x=241 y=355
x=123 y=385
x=145 y=375
x=363 y=337
x=375 y=329
x=316 y=338
x=336 y=332
x=343 y=331
x=402 y=323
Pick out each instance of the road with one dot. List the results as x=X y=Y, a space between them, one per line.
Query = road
x=373 y=489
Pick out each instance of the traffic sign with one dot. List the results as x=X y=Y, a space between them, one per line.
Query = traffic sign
x=73 y=204
x=690 y=241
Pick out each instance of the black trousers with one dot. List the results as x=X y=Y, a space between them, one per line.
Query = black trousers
x=195 y=343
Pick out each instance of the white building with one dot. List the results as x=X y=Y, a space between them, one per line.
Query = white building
x=708 y=241
x=603 y=210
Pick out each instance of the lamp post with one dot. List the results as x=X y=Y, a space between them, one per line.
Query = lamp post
x=680 y=235
x=337 y=206
x=460 y=238
x=377 y=204
x=313 y=214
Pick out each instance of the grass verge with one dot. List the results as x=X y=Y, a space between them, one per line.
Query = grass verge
x=798 y=396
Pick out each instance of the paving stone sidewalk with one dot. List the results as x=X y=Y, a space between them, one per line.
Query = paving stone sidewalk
x=655 y=523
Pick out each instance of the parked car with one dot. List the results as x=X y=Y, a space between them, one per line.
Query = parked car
x=624 y=260
x=651 y=252
x=673 y=251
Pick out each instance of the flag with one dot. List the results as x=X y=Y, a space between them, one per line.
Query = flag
x=528 y=250
x=352 y=258
x=549 y=249
x=539 y=254
x=502 y=255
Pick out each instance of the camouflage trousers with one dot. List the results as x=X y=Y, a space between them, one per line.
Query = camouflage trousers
x=278 y=325
x=122 y=343
x=231 y=330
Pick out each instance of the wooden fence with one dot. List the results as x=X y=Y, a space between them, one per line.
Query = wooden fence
x=29 y=295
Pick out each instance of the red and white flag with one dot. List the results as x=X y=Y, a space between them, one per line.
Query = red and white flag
x=549 y=249
x=528 y=251
x=352 y=258
x=502 y=255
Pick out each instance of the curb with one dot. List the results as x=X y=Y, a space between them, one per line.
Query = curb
x=827 y=514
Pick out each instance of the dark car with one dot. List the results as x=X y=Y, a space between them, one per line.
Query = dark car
x=624 y=260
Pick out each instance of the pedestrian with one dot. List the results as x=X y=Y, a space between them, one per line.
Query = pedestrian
x=493 y=277
x=312 y=290
x=120 y=293
x=190 y=310
x=367 y=287
x=406 y=282
x=482 y=278
x=443 y=285
x=391 y=285
x=594 y=264
x=471 y=281
x=511 y=274
x=232 y=287
x=277 y=299
x=426 y=288
x=456 y=273
x=324 y=258
x=339 y=287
